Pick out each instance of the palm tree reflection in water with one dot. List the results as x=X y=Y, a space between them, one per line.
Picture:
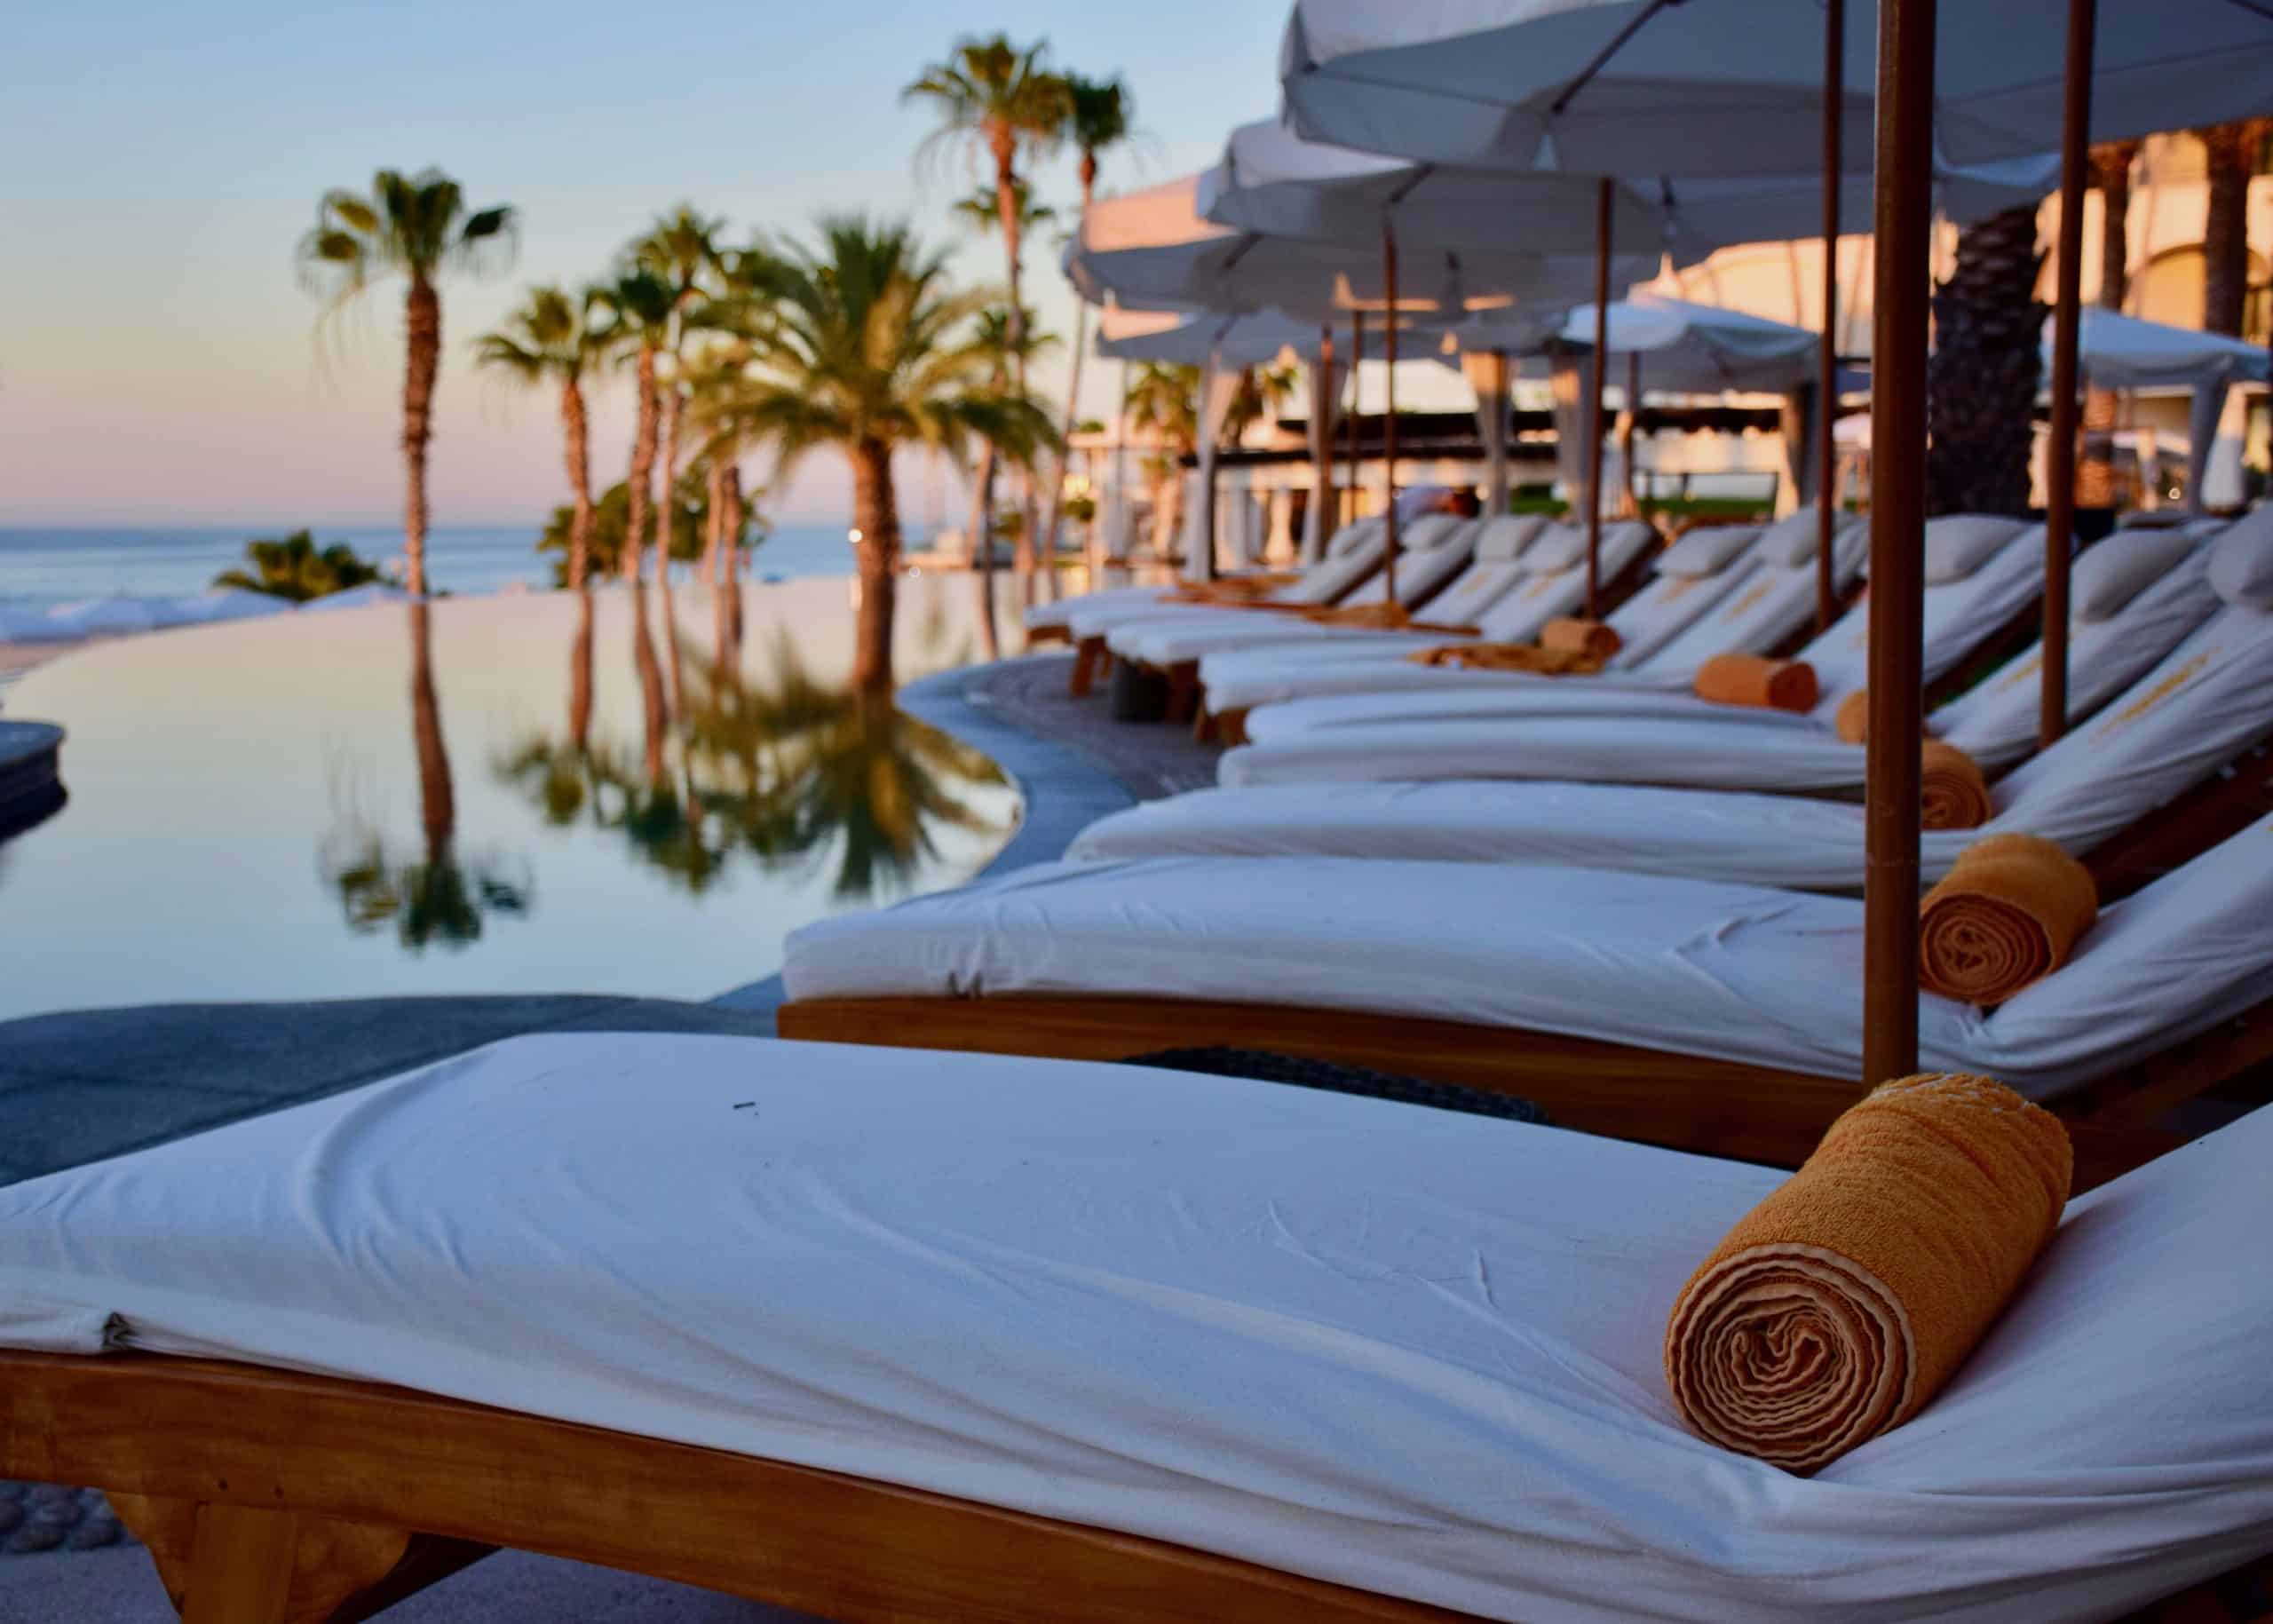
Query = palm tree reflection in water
x=797 y=775
x=437 y=901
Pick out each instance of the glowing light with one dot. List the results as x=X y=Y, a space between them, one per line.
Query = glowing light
x=854 y=536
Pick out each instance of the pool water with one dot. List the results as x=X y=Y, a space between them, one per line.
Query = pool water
x=334 y=805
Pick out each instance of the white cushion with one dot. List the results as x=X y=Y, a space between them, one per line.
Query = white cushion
x=1429 y=531
x=1958 y=545
x=1708 y=550
x=1557 y=546
x=2241 y=562
x=1509 y=535
x=2109 y=575
x=1790 y=542
x=1355 y=534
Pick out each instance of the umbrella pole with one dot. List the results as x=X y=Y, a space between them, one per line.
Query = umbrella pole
x=1633 y=425
x=1903 y=225
x=1826 y=389
x=1324 y=480
x=1389 y=419
x=1593 y=407
x=2059 y=451
x=1357 y=355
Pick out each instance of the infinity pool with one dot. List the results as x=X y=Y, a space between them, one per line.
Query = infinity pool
x=332 y=806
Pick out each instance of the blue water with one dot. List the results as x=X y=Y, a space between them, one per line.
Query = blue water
x=40 y=568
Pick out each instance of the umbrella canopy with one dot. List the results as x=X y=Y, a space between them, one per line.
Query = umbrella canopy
x=1682 y=348
x=1196 y=338
x=1153 y=248
x=2125 y=352
x=1711 y=87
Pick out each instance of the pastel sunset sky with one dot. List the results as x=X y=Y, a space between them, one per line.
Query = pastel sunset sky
x=158 y=359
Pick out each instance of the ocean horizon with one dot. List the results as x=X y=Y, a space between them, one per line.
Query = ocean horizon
x=42 y=567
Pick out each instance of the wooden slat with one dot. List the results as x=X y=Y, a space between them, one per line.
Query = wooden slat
x=1691 y=1103
x=253 y=1443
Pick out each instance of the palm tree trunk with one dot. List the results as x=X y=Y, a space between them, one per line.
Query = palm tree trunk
x=437 y=810
x=1981 y=380
x=2225 y=227
x=580 y=674
x=714 y=517
x=651 y=680
x=421 y=360
x=1006 y=206
x=732 y=559
x=576 y=432
x=2111 y=172
x=875 y=514
x=982 y=544
x=667 y=497
x=641 y=492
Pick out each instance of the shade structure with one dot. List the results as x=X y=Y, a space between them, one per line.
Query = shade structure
x=1734 y=87
x=1680 y=347
x=1193 y=338
x=1153 y=248
x=2125 y=352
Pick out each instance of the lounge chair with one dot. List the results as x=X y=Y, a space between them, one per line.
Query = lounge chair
x=2178 y=720
x=1571 y=985
x=1557 y=728
x=879 y=1335
x=1754 y=601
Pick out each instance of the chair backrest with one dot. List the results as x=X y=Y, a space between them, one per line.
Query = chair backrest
x=1674 y=598
x=1958 y=614
x=1773 y=603
x=1551 y=587
x=1996 y=722
x=1331 y=578
x=1430 y=551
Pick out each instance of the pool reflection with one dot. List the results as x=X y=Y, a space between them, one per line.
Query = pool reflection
x=699 y=779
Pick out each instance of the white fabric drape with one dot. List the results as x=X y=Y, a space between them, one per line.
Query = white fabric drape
x=1572 y=382
x=1218 y=388
x=1326 y=418
x=1487 y=374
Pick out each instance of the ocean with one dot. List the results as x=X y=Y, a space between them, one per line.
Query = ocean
x=41 y=568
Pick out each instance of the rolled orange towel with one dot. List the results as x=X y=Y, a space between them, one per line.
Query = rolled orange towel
x=1581 y=636
x=1383 y=617
x=1527 y=658
x=2010 y=912
x=1840 y=1306
x=1752 y=679
x=1952 y=794
x=1852 y=720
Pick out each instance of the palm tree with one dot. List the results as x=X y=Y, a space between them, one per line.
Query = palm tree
x=1009 y=337
x=292 y=568
x=638 y=307
x=551 y=339
x=2230 y=152
x=994 y=98
x=1100 y=115
x=1981 y=380
x=2110 y=172
x=1165 y=399
x=1262 y=392
x=418 y=227
x=682 y=250
x=867 y=353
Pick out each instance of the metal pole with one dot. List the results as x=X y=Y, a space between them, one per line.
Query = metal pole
x=1826 y=389
x=1389 y=419
x=2060 y=452
x=1903 y=226
x=1593 y=408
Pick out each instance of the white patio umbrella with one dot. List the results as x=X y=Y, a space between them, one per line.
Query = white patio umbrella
x=2125 y=352
x=1680 y=348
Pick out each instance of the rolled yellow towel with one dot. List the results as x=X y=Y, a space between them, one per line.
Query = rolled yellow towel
x=1526 y=658
x=1581 y=636
x=1852 y=720
x=1752 y=679
x=1952 y=792
x=1840 y=1306
x=2010 y=911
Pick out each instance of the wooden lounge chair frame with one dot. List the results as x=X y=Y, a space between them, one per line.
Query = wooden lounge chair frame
x=1693 y=1103
x=271 y=1497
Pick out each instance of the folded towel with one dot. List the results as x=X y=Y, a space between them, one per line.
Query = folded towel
x=1528 y=658
x=1852 y=720
x=1380 y=617
x=1952 y=793
x=2010 y=912
x=1238 y=592
x=1581 y=636
x=1841 y=1303
x=1751 y=679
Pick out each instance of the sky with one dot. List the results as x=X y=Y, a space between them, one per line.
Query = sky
x=159 y=359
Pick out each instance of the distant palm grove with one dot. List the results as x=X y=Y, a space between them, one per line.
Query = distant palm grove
x=849 y=338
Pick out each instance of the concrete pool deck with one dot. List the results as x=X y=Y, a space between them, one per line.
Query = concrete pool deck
x=83 y=1085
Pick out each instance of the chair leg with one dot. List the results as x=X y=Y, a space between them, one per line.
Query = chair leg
x=1085 y=667
x=1231 y=726
x=1203 y=726
x=1184 y=690
x=241 y=1566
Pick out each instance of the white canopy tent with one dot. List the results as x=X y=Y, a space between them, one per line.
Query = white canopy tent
x=2121 y=352
x=1682 y=348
